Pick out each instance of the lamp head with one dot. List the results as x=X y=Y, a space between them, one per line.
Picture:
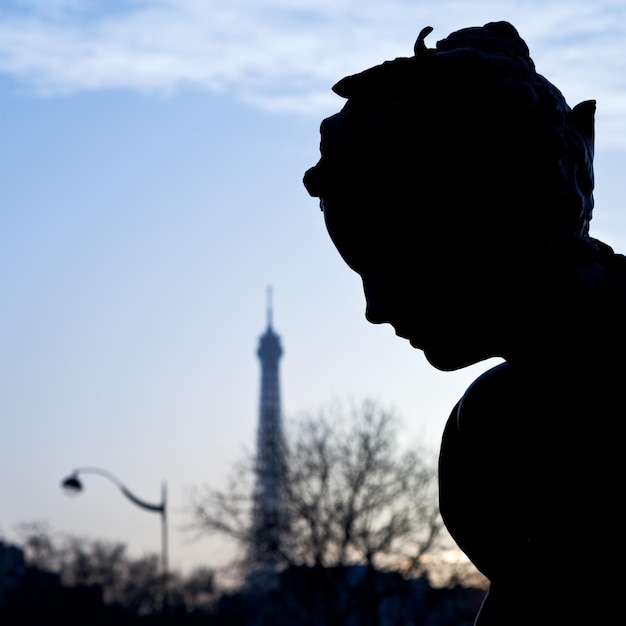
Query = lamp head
x=72 y=485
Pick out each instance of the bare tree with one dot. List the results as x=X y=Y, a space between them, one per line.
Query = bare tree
x=40 y=545
x=129 y=582
x=352 y=494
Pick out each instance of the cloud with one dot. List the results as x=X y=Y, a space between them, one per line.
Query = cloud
x=285 y=56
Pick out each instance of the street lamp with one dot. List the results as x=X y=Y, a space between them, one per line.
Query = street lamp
x=73 y=484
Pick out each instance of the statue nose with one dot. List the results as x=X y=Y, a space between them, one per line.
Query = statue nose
x=376 y=312
x=378 y=298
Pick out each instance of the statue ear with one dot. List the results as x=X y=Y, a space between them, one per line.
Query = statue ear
x=582 y=119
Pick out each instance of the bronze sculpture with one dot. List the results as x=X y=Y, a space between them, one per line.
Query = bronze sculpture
x=459 y=184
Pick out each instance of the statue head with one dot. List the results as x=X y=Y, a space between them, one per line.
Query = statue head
x=456 y=162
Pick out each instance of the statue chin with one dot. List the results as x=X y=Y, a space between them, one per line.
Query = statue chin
x=450 y=359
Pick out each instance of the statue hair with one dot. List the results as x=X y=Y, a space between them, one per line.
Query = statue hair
x=470 y=120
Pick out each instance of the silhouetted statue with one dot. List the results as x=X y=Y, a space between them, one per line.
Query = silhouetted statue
x=459 y=184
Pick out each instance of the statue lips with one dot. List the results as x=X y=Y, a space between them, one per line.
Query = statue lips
x=404 y=332
x=419 y=342
x=415 y=344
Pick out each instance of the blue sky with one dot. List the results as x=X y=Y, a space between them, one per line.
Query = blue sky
x=152 y=156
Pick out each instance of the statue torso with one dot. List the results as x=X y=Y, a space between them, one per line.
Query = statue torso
x=531 y=477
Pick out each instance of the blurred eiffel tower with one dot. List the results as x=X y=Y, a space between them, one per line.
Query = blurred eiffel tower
x=269 y=520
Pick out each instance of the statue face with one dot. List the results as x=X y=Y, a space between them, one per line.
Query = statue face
x=432 y=286
x=445 y=178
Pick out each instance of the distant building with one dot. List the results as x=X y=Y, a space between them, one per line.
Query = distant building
x=22 y=584
x=12 y=572
x=269 y=523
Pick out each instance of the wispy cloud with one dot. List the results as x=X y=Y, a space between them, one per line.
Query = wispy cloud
x=284 y=56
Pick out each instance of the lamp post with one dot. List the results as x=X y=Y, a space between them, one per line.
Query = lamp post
x=72 y=483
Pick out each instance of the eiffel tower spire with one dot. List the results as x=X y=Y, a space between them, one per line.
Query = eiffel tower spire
x=269 y=519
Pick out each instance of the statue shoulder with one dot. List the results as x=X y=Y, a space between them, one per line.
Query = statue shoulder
x=482 y=472
x=491 y=403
